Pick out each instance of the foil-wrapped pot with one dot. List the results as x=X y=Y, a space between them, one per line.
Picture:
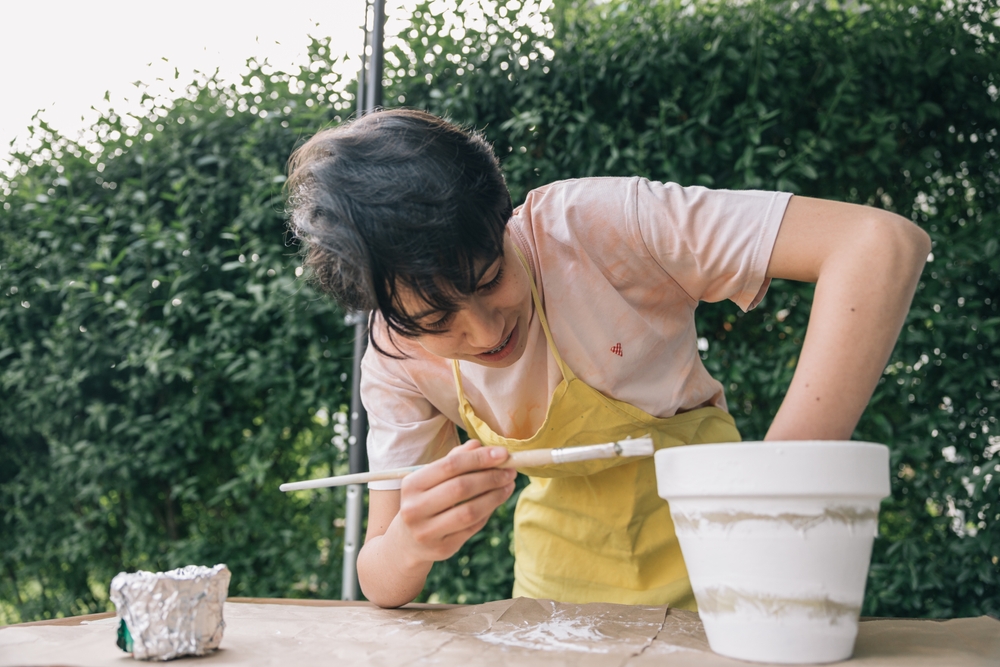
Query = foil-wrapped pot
x=164 y=615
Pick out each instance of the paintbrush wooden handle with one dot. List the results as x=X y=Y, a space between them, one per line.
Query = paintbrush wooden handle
x=528 y=459
x=346 y=480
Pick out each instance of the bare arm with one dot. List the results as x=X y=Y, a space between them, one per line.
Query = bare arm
x=866 y=263
x=437 y=509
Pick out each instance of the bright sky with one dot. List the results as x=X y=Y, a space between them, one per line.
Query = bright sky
x=62 y=55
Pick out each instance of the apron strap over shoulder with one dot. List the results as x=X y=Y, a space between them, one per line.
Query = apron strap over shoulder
x=567 y=372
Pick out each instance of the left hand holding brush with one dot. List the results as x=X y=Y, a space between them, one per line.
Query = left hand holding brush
x=443 y=504
x=438 y=508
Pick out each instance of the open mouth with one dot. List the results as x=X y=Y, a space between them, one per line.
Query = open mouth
x=504 y=349
x=502 y=345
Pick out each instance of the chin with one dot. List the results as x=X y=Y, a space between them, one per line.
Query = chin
x=510 y=360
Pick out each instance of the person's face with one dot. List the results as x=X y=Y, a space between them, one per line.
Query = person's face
x=490 y=327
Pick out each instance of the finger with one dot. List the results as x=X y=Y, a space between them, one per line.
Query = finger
x=452 y=543
x=498 y=498
x=466 y=446
x=466 y=519
x=447 y=546
x=420 y=504
x=463 y=459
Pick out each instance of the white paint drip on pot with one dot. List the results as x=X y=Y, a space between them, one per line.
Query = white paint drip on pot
x=852 y=517
x=725 y=600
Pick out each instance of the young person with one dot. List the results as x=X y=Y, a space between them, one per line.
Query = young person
x=568 y=321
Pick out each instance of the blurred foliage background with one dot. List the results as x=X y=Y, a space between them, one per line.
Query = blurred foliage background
x=163 y=366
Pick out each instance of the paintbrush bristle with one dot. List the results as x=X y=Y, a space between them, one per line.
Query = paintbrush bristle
x=636 y=447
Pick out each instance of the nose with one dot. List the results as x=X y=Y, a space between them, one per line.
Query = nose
x=483 y=325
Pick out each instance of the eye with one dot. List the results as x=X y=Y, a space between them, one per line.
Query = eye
x=494 y=283
x=442 y=323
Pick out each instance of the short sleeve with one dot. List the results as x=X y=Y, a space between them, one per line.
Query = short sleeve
x=716 y=244
x=404 y=428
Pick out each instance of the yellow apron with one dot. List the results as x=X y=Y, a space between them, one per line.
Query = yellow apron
x=596 y=531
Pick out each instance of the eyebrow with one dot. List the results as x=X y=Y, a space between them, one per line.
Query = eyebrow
x=486 y=269
x=426 y=313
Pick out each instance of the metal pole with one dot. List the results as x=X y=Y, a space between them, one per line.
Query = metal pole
x=358 y=462
x=369 y=98
x=373 y=97
x=363 y=74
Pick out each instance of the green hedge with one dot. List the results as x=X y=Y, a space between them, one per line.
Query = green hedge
x=162 y=367
x=156 y=437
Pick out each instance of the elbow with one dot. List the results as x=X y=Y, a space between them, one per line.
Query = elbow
x=387 y=604
x=377 y=587
x=904 y=244
x=383 y=599
x=918 y=245
x=919 y=240
x=925 y=243
x=387 y=600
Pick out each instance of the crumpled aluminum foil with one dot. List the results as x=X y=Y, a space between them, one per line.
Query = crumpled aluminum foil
x=175 y=613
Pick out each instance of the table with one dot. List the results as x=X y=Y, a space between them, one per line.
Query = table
x=520 y=632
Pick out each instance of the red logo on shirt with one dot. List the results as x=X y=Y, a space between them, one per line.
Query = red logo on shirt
x=617 y=349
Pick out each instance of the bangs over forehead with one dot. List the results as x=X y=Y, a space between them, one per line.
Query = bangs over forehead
x=415 y=298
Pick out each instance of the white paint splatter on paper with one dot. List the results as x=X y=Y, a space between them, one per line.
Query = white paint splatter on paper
x=560 y=633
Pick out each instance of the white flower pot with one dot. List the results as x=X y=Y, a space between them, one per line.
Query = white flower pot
x=777 y=537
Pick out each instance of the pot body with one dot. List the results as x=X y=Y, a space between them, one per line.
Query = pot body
x=777 y=538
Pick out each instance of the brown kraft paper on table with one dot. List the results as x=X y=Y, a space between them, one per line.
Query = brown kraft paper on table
x=521 y=632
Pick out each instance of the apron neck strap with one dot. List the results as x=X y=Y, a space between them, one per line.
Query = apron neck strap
x=567 y=373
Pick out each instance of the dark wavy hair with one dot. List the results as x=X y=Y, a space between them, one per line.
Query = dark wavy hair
x=397 y=198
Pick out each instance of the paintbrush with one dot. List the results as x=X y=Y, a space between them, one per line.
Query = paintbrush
x=527 y=459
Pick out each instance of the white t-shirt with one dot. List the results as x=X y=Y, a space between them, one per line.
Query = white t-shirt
x=620 y=265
